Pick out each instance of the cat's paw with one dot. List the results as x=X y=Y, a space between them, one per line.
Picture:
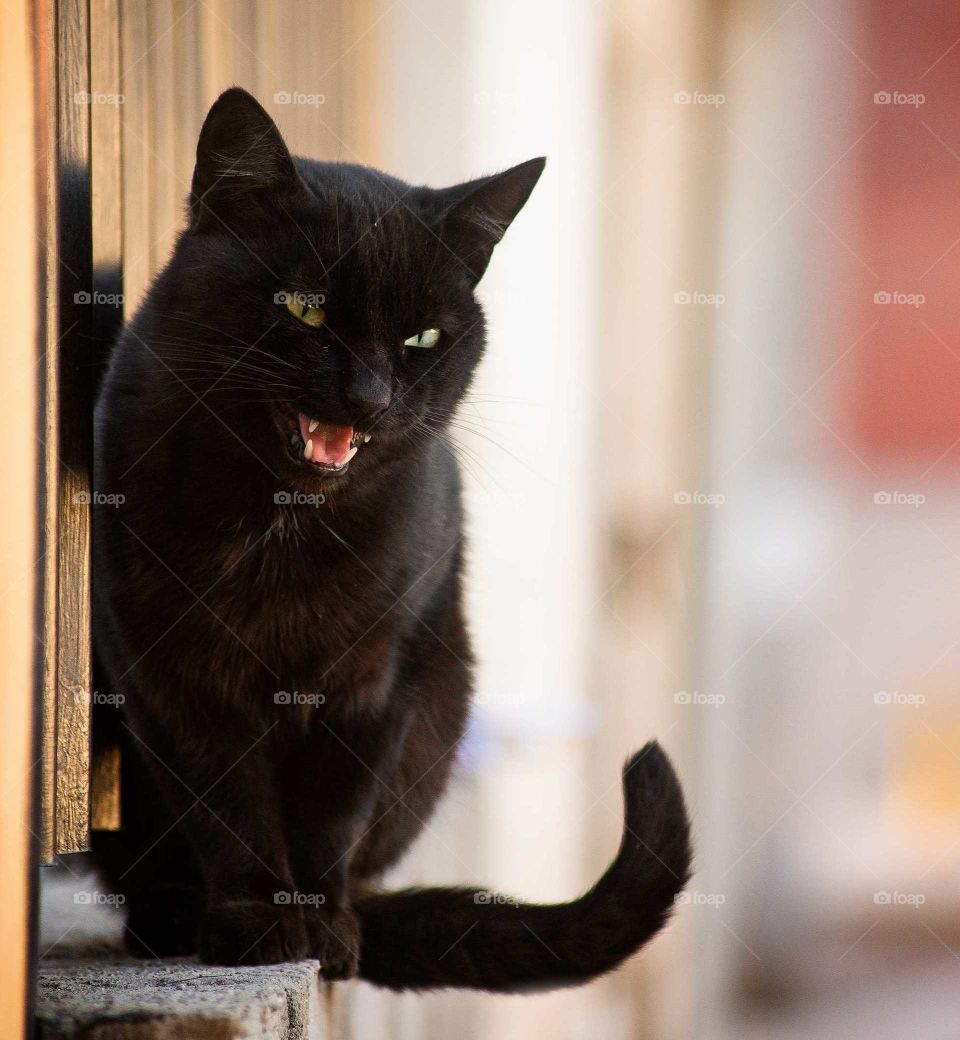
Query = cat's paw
x=163 y=921
x=334 y=940
x=251 y=931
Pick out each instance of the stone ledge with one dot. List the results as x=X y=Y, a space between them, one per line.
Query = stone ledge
x=119 y=999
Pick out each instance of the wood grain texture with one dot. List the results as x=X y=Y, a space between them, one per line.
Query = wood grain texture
x=105 y=812
x=63 y=68
x=75 y=447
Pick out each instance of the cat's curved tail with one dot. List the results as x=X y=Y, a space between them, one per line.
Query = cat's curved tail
x=436 y=937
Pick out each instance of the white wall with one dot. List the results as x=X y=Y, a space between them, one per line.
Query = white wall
x=497 y=83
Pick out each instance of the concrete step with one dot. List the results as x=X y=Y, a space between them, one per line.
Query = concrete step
x=104 y=998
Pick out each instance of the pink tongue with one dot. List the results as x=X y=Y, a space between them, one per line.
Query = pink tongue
x=330 y=443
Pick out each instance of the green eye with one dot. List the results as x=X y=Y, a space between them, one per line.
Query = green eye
x=297 y=306
x=427 y=338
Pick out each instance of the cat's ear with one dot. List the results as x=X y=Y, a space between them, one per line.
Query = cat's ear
x=241 y=156
x=483 y=209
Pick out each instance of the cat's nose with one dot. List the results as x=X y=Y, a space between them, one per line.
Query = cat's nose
x=368 y=393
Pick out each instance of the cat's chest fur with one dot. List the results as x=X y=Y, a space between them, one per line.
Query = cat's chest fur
x=323 y=614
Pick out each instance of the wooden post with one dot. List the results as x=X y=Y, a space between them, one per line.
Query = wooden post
x=64 y=228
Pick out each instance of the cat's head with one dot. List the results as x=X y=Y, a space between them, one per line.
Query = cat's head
x=337 y=303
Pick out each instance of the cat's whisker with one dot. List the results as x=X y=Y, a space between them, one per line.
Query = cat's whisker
x=225 y=357
x=470 y=460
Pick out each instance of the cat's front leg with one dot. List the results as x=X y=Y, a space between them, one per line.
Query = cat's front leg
x=330 y=790
x=216 y=778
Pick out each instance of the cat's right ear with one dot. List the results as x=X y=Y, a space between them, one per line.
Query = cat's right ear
x=241 y=159
x=481 y=211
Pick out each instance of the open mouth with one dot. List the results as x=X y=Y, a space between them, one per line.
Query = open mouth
x=324 y=447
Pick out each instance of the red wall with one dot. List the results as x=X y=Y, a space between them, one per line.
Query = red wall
x=903 y=399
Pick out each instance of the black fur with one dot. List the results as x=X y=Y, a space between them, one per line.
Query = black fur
x=295 y=676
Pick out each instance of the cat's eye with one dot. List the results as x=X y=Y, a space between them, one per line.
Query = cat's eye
x=299 y=308
x=427 y=338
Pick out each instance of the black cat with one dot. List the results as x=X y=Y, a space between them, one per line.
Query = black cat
x=278 y=598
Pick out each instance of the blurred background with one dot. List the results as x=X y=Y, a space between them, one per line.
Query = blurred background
x=712 y=463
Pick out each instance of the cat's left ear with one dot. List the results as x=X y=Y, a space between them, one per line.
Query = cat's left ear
x=241 y=159
x=483 y=209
